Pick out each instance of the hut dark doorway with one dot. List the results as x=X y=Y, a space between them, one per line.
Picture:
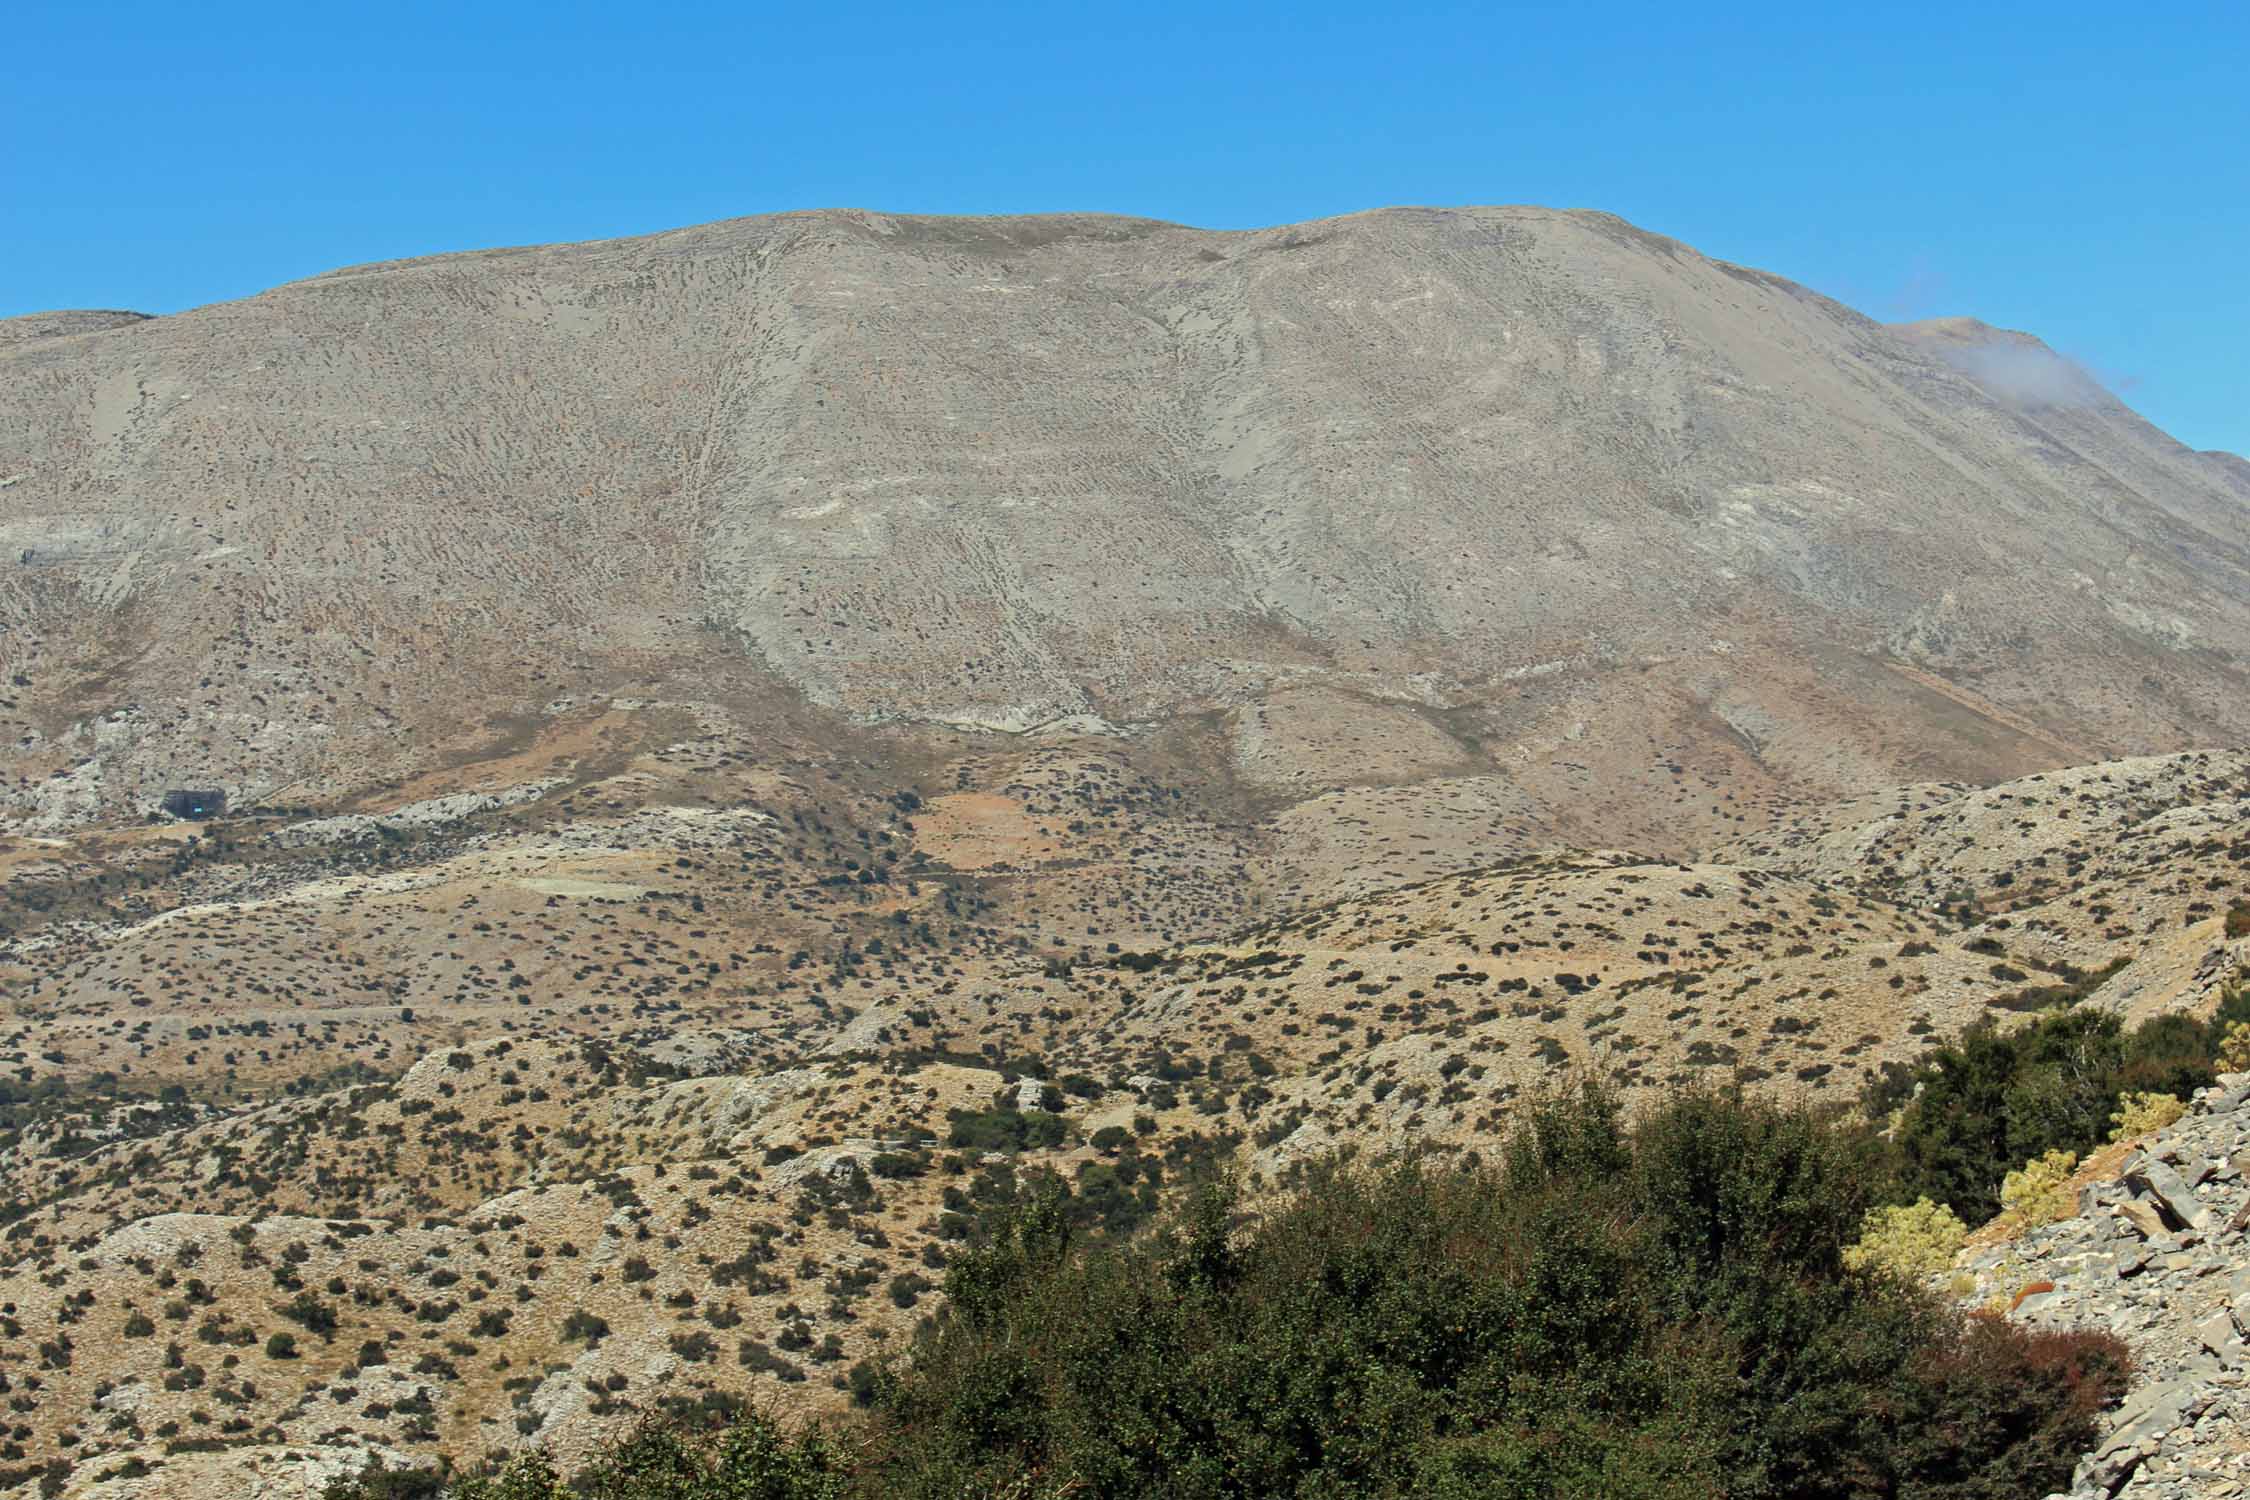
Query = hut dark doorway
x=195 y=803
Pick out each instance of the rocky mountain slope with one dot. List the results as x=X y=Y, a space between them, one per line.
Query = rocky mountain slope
x=1508 y=505
x=747 y=746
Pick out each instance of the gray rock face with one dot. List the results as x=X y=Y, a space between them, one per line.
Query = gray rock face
x=998 y=473
x=2154 y=1180
x=2184 y=1306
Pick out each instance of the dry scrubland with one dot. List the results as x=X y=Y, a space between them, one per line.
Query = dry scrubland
x=536 y=1218
x=747 y=744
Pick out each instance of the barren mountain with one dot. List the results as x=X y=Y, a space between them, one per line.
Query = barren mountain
x=1526 y=497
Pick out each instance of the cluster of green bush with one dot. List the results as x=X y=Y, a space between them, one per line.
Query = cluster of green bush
x=1953 y=1126
x=1115 y=1196
x=1006 y=1128
x=749 y=1458
x=1661 y=1309
x=111 y=1110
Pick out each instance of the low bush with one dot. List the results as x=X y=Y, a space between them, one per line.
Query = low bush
x=2038 y=1192
x=1006 y=1129
x=1908 y=1239
x=749 y=1459
x=1666 y=1310
x=584 y=1326
x=1989 y=1378
x=2234 y=1049
x=1974 y=1108
x=2138 y=1114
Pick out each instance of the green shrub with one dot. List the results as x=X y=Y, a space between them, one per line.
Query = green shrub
x=2171 y=1054
x=1659 y=1311
x=1007 y=1129
x=379 y=1481
x=2139 y=1114
x=1991 y=1099
x=2038 y=1192
x=1908 y=1239
x=750 y=1459
x=309 y=1312
x=586 y=1326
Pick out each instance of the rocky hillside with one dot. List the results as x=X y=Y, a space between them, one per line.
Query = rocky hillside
x=1551 y=517
x=2159 y=1253
x=749 y=748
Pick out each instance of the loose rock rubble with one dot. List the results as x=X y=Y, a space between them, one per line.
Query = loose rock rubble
x=2159 y=1254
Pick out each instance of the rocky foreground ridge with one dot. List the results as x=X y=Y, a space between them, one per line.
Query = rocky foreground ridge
x=2159 y=1254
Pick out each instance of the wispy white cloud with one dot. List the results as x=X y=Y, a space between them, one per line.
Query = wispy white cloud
x=2027 y=375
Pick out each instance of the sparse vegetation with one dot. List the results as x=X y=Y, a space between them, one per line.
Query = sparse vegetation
x=776 y=1113
x=1662 y=1310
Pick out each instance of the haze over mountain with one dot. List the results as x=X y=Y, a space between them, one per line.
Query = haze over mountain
x=1507 y=500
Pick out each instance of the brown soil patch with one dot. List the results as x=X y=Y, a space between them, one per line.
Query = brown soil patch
x=983 y=831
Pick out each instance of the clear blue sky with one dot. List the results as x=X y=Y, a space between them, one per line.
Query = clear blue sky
x=2078 y=170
